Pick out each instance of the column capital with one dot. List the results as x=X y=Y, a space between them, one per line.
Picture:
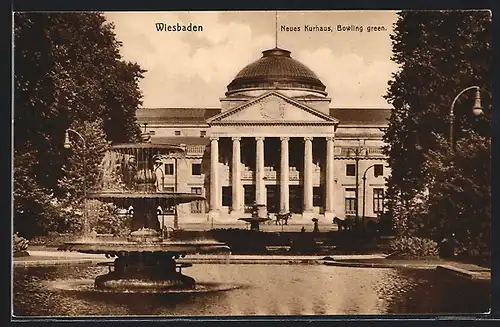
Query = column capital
x=284 y=138
x=259 y=138
x=214 y=138
x=308 y=138
x=330 y=138
x=236 y=138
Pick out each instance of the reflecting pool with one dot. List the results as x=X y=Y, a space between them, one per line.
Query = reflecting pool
x=262 y=290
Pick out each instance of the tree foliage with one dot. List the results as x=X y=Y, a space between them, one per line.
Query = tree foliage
x=82 y=169
x=459 y=200
x=67 y=70
x=81 y=173
x=33 y=207
x=440 y=53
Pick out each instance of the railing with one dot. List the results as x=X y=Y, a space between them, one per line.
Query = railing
x=269 y=174
x=195 y=148
x=247 y=174
x=346 y=152
x=375 y=150
x=293 y=174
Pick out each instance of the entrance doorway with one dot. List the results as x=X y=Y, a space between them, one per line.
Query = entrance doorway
x=273 y=198
x=249 y=197
x=295 y=198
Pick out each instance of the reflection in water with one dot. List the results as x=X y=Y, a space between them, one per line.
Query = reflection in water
x=271 y=290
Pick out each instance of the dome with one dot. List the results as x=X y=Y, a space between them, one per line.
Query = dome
x=276 y=69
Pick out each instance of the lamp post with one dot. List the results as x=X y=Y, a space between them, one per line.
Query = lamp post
x=477 y=109
x=364 y=186
x=176 y=158
x=67 y=145
x=357 y=156
x=364 y=189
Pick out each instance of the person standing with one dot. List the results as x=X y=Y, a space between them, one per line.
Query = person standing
x=315 y=228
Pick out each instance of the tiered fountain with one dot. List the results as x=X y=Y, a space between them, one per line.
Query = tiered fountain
x=257 y=217
x=145 y=261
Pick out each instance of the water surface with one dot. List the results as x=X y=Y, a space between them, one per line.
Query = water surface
x=267 y=290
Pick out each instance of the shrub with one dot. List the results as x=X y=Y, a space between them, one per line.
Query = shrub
x=413 y=247
x=19 y=245
x=104 y=218
x=53 y=240
x=385 y=224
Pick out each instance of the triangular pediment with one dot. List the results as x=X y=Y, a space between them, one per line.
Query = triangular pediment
x=272 y=107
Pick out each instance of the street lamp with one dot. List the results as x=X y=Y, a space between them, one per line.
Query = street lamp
x=357 y=156
x=176 y=156
x=67 y=145
x=377 y=173
x=477 y=109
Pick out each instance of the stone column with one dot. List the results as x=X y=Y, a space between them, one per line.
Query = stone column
x=260 y=187
x=284 y=177
x=236 y=178
x=329 y=180
x=214 y=178
x=308 y=178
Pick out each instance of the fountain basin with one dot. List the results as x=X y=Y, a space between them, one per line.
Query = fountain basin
x=119 y=247
x=254 y=220
x=87 y=286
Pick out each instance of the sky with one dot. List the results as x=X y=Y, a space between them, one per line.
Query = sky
x=193 y=69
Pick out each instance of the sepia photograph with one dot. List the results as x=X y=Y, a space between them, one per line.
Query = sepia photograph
x=187 y=164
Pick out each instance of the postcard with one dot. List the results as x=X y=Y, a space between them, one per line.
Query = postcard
x=251 y=163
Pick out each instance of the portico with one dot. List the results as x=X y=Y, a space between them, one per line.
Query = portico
x=283 y=160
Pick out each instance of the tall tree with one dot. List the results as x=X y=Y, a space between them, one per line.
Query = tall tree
x=67 y=68
x=439 y=53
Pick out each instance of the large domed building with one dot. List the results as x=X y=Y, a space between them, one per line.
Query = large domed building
x=274 y=141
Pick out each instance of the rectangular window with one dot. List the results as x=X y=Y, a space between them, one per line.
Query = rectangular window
x=350 y=170
x=378 y=170
x=227 y=196
x=197 y=206
x=177 y=133
x=378 y=200
x=196 y=169
x=203 y=133
x=169 y=169
x=350 y=201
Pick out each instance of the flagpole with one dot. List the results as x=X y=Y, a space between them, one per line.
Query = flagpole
x=276 y=29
